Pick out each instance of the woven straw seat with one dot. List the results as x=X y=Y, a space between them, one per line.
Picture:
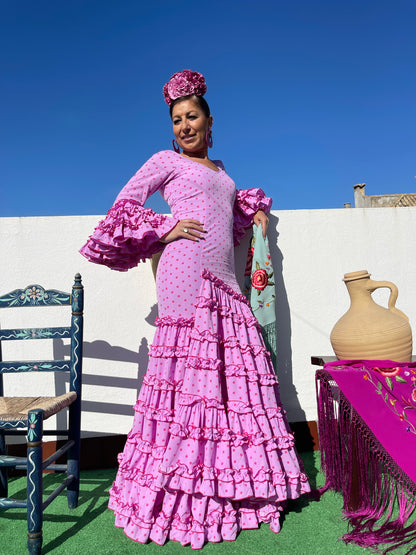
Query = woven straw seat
x=17 y=408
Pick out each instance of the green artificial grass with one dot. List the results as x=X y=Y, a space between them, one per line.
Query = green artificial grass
x=308 y=527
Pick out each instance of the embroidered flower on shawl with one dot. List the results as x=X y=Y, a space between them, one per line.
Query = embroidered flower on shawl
x=390 y=388
x=259 y=279
x=388 y=372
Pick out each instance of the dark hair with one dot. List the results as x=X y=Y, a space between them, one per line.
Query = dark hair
x=200 y=100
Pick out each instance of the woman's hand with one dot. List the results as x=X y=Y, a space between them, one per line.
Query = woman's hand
x=260 y=218
x=185 y=229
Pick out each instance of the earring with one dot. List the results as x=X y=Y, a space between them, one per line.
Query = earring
x=176 y=146
x=208 y=138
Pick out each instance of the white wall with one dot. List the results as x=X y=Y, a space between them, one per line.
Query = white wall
x=311 y=251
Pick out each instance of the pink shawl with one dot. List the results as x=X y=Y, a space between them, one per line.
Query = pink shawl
x=367 y=428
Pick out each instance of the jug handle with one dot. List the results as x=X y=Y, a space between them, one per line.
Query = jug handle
x=394 y=293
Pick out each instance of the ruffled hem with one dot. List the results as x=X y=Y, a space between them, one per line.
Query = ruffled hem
x=208 y=429
x=247 y=203
x=196 y=521
x=128 y=235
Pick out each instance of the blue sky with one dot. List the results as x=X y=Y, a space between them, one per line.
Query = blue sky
x=308 y=97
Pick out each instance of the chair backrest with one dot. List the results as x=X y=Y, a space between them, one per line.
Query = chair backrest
x=36 y=295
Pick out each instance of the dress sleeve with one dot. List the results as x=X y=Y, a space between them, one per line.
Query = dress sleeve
x=247 y=203
x=130 y=233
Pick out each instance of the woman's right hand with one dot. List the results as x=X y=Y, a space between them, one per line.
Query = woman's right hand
x=185 y=229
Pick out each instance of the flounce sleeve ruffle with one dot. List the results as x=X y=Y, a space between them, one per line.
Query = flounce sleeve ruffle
x=127 y=235
x=130 y=233
x=247 y=203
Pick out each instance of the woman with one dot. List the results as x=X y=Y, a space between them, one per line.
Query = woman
x=210 y=451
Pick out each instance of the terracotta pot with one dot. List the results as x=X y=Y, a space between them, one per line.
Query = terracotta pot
x=367 y=330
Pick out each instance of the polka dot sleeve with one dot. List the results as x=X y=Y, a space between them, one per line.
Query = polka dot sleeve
x=130 y=233
x=247 y=203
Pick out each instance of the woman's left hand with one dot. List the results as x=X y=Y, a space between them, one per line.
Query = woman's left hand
x=260 y=218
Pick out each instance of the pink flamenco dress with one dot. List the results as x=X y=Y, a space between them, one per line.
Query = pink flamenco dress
x=210 y=451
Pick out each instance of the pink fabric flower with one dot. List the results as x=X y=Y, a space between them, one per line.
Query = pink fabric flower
x=184 y=83
x=414 y=395
x=259 y=279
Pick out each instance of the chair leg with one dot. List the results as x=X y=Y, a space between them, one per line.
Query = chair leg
x=34 y=481
x=72 y=491
x=73 y=460
x=3 y=471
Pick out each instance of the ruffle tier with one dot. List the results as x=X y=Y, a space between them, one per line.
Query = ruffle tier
x=210 y=451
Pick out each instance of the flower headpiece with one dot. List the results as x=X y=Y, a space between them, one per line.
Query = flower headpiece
x=184 y=83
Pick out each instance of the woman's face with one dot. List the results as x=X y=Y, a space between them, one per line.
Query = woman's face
x=190 y=126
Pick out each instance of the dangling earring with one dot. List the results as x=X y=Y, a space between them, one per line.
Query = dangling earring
x=176 y=146
x=208 y=138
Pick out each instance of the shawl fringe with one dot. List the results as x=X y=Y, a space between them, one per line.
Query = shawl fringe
x=379 y=498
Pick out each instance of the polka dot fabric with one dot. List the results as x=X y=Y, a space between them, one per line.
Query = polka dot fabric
x=210 y=451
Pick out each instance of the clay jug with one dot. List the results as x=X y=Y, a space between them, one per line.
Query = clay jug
x=367 y=330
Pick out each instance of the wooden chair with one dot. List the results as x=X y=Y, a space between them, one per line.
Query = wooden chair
x=25 y=415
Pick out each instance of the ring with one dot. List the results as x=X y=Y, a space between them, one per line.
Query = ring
x=185 y=230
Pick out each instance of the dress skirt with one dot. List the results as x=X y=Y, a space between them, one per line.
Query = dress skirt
x=210 y=451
